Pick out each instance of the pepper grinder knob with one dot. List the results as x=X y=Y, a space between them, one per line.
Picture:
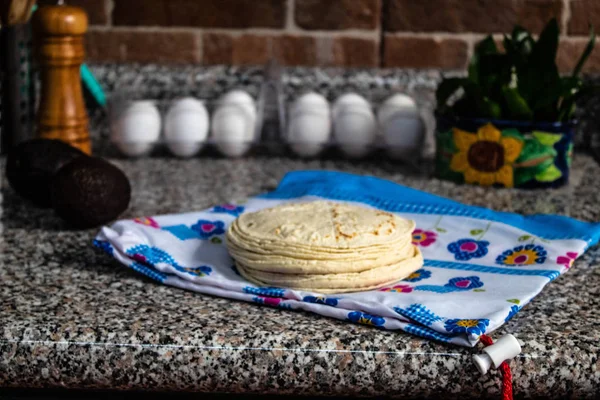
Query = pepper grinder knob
x=59 y=40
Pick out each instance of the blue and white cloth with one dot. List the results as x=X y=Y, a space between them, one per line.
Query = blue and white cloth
x=481 y=266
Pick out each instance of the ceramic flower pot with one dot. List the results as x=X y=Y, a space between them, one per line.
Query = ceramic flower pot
x=503 y=153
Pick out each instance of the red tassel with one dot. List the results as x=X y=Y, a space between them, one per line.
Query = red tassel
x=507 y=390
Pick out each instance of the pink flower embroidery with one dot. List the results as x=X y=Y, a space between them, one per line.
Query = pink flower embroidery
x=423 y=238
x=567 y=260
x=398 y=289
x=270 y=301
x=148 y=221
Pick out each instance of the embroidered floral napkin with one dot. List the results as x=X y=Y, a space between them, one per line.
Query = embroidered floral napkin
x=481 y=266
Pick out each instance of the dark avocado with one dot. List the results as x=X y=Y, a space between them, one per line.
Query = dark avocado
x=89 y=192
x=31 y=165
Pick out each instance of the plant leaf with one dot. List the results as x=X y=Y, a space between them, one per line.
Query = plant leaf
x=539 y=75
x=486 y=46
x=446 y=89
x=547 y=138
x=517 y=106
x=545 y=49
x=476 y=232
x=479 y=290
x=441 y=230
x=550 y=174
x=514 y=301
x=524 y=238
x=586 y=53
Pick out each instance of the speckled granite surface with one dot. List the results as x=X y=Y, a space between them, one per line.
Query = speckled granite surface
x=71 y=317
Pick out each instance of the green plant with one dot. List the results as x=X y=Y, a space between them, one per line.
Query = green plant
x=521 y=83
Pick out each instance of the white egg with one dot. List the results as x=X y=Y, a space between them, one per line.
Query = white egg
x=137 y=128
x=308 y=133
x=244 y=101
x=354 y=130
x=401 y=126
x=310 y=101
x=404 y=137
x=397 y=105
x=353 y=100
x=186 y=127
x=230 y=131
x=135 y=149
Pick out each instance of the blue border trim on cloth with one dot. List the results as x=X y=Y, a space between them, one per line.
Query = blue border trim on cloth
x=393 y=197
x=550 y=274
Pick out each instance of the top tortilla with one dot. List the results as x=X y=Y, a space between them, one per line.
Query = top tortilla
x=322 y=226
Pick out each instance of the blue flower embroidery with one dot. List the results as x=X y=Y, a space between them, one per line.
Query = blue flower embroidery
x=419 y=313
x=466 y=249
x=230 y=209
x=144 y=254
x=206 y=229
x=181 y=232
x=330 y=301
x=523 y=255
x=365 y=319
x=104 y=245
x=469 y=326
x=513 y=310
x=468 y=283
x=427 y=333
x=150 y=255
x=418 y=275
x=148 y=271
x=265 y=291
x=196 y=271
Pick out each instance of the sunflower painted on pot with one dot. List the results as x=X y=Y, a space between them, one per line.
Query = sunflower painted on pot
x=485 y=157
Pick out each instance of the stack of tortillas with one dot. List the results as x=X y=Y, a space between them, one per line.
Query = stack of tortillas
x=323 y=247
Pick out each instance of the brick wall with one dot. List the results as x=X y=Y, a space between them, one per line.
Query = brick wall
x=365 y=33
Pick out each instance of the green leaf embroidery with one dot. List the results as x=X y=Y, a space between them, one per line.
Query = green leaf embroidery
x=476 y=232
x=534 y=159
x=524 y=238
x=479 y=290
x=547 y=138
x=515 y=301
x=534 y=152
x=442 y=230
x=513 y=133
x=216 y=240
x=550 y=174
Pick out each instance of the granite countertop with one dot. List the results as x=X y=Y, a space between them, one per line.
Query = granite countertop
x=72 y=317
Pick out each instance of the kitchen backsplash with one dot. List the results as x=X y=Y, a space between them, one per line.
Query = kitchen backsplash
x=355 y=33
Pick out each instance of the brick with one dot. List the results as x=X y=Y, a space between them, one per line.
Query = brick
x=337 y=14
x=205 y=13
x=295 y=50
x=97 y=10
x=584 y=12
x=143 y=46
x=423 y=52
x=251 y=49
x=355 y=52
x=469 y=15
x=570 y=51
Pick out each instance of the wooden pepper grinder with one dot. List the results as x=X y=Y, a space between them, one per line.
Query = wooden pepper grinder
x=59 y=39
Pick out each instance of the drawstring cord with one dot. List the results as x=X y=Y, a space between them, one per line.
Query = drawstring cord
x=507 y=389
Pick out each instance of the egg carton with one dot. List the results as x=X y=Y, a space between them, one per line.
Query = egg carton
x=235 y=125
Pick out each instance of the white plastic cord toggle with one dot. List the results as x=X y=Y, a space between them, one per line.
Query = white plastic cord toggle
x=505 y=348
